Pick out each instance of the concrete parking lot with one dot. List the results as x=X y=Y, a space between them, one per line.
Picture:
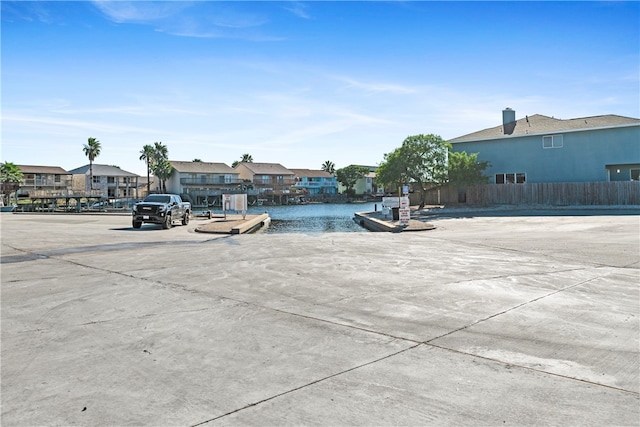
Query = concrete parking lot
x=485 y=320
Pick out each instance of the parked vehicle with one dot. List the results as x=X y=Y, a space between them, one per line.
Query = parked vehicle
x=161 y=209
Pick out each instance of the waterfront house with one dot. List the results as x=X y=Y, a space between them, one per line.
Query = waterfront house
x=267 y=181
x=542 y=149
x=365 y=185
x=44 y=181
x=202 y=183
x=315 y=182
x=109 y=182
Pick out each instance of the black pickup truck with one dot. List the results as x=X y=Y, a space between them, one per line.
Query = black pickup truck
x=161 y=209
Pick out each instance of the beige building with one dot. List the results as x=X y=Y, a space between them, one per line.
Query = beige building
x=45 y=181
x=202 y=183
x=269 y=179
x=109 y=182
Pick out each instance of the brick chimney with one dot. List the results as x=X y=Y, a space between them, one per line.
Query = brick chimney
x=508 y=121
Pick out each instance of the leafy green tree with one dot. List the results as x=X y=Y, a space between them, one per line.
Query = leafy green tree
x=10 y=178
x=392 y=172
x=465 y=169
x=421 y=160
x=196 y=160
x=349 y=175
x=92 y=150
x=329 y=167
x=146 y=155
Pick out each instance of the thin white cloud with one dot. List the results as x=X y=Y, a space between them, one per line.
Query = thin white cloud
x=376 y=87
x=26 y=11
x=198 y=19
x=90 y=126
x=140 y=11
x=297 y=8
x=149 y=110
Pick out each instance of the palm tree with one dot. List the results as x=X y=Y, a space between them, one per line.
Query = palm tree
x=160 y=162
x=163 y=171
x=161 y=152
x=246 y=158
x=146 y=154
x=10 y=178
x=92 y=150
x=329 y=166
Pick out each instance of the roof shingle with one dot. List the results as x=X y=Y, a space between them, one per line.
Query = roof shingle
x=55 y=170
x=202 y=167
x=539 y=124
x=101 y=170
x=267 y=168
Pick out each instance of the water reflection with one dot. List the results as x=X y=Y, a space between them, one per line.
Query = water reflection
x=315 y=218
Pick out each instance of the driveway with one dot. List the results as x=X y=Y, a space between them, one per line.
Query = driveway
x=485 y=320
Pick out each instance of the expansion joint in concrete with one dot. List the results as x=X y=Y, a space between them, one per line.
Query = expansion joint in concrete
x=293 y=390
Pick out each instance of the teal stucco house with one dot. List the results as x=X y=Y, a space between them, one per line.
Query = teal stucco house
x=542 y=149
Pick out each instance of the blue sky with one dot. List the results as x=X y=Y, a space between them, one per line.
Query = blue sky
x=298 y=83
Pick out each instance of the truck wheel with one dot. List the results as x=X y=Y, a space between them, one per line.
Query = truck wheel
x=185 y=218
x=167 y=222
x=137 y=224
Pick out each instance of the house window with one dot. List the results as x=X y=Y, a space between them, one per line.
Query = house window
x=96 y=179
x=635 y=174
x=111 y=180
x=511 y=178
x=57 y=179
x=552 y=141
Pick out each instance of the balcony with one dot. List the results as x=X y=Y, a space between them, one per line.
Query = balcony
x=47 y=183
x=210 y=182
x=274 y=182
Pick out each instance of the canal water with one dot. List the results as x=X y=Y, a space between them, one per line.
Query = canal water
x=314 y=218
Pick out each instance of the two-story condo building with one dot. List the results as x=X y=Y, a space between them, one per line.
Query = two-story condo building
x=110 y=182
x=315 y=182
x=267 y=179
x=202 y=183
x=45 y=181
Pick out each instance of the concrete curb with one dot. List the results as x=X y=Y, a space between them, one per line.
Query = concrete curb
x=235 y=224
x=371 y=223
x=251 y=224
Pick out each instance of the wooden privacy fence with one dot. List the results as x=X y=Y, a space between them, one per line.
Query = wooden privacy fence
x=553 y=194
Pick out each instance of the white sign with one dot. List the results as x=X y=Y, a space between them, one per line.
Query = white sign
x=234 y=202
x=404 y=202
x=405 y=216
x=226 y=202
x=390 y=202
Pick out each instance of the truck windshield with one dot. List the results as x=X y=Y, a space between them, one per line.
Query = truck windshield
x=157 y=199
